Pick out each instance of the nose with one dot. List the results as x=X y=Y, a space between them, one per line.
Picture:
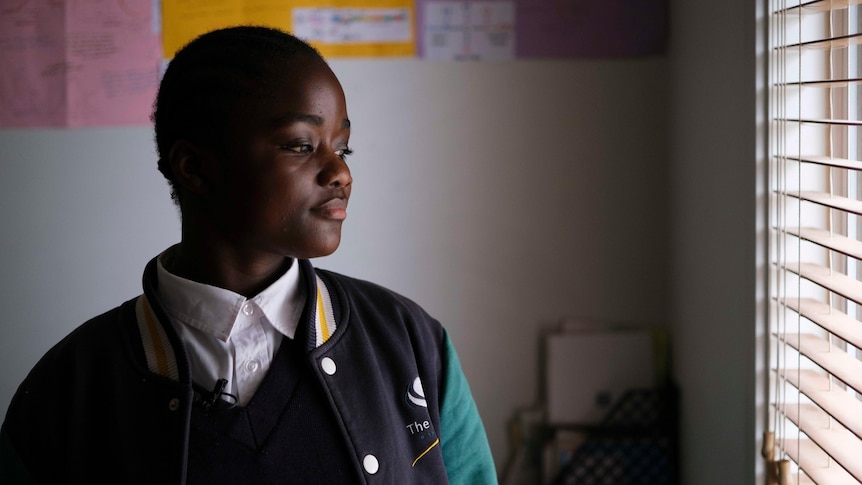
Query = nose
x=335 y=172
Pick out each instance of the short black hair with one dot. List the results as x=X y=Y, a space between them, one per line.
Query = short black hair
x=208 y=77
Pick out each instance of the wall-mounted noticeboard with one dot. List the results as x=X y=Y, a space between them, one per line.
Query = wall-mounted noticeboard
x=83 y=63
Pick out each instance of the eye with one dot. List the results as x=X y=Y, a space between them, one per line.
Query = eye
x=297 y=148
x=344 y=152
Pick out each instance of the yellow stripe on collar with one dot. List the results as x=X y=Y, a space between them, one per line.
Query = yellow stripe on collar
x=160 y=355
x=324 y=320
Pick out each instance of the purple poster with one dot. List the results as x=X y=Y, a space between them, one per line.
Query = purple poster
x=508 y=29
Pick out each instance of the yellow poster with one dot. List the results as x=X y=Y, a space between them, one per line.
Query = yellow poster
x=337 y=28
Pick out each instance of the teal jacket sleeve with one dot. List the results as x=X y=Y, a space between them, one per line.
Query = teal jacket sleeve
x=466 y=453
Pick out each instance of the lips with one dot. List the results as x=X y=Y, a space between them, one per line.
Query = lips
x=335 y=209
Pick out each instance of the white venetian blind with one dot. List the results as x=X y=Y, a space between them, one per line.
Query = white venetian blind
x=815 y=378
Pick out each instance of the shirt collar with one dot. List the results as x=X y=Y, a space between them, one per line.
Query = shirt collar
x=214 y=310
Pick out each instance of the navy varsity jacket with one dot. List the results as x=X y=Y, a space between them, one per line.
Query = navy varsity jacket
x=112 y=401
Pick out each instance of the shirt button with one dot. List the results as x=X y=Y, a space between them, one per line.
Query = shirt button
x=370 y=464
x=247 y=309
x=328 y=365
x=252 y=365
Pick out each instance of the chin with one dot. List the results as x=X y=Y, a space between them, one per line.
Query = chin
x=325 y=253
x=320 y=250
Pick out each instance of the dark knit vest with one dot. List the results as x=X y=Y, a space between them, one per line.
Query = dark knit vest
x=285 y=435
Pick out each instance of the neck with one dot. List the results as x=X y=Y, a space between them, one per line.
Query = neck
x=215 y=265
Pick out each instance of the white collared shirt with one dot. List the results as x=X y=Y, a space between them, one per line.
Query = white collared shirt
x=228 y=336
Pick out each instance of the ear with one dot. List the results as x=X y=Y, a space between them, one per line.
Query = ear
x=194 y=168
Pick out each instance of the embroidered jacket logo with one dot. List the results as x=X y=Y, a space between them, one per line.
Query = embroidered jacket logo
x=421 y=432
x=415 y=395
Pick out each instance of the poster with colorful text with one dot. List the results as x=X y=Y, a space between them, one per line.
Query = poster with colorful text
x=337 y=28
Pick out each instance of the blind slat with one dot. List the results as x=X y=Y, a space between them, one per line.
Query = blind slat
x=835 y=282
x=826 y=43
x=829 y=200
x=822 y=121
x=824 y=83
x=829 y=357
x=830 y=397
x=835 y=242
x=818 y=6
x=803 y=479
x=830 y=319
x=829 y=161
x=828 y=435
x=816 y=463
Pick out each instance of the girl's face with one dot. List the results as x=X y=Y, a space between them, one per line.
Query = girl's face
x=283 y=186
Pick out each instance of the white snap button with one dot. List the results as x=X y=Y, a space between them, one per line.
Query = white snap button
x=247 y=309
x=370 y=464
x=252 y=365
x=328 y=365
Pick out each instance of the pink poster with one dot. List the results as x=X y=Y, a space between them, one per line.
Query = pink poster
x=77 y=62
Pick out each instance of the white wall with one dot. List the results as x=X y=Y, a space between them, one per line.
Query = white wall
x=716 y=211
x=499 y=196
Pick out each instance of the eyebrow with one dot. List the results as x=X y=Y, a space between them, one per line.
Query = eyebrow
x=306 y=118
